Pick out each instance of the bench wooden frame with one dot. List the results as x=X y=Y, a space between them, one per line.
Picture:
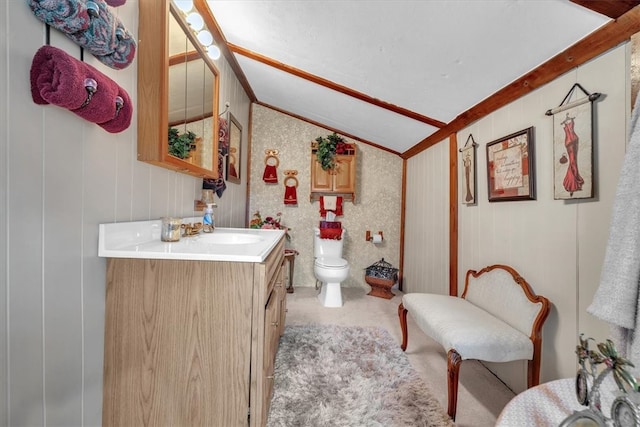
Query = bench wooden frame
x=454 y=359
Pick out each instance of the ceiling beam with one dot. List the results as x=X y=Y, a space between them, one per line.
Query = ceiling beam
x=596 y=43
x=334 y=86
x=611 y=8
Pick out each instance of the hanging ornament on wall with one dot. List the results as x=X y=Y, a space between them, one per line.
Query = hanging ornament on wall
x=290 y=187
x=271 y=162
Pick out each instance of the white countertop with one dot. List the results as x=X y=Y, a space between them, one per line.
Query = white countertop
x=141 y=239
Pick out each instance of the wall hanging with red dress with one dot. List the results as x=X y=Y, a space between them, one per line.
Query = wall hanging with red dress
x=573 y=146
x=271 y=162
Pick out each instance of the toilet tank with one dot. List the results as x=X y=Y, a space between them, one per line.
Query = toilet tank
x=328 y=248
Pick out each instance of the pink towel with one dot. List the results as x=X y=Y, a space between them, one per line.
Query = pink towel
x=124 y=111
x=58 y=78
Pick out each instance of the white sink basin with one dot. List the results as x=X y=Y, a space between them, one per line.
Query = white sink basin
x=229 y=238
x=141 y=239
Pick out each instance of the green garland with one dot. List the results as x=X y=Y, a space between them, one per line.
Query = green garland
x=327 y=150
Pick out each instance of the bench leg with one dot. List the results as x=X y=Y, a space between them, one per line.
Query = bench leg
x=533 y=365
x=533 y=371
x=402 y=314
x=453 y=369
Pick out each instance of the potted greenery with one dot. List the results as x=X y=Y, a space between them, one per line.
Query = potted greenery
x=181 y=145
x=327 y=149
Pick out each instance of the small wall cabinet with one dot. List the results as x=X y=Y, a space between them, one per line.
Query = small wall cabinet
x=341 y=181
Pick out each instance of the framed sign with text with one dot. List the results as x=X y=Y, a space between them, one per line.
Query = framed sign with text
x=511 y=167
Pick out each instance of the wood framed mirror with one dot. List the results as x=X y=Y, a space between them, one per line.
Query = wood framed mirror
x=235 y=150
x=178 y=88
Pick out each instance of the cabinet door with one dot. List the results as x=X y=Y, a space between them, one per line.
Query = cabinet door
x=344 y=181
x=271 y=337
x=282 y=301
x=321 y=180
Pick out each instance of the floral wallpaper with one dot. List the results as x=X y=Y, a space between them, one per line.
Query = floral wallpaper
x=378 y=195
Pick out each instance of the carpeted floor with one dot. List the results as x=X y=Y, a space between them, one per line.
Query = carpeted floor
x=481 y=395
x=329 y=375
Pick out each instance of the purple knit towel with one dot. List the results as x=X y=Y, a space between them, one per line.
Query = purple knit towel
x=68 y=16
x=91 y=25
x=60 y=79
x=115 y=3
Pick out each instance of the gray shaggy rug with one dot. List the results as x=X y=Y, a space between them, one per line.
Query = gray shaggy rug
x=327 y=375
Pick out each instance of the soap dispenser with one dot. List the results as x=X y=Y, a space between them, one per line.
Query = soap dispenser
x=208 y=220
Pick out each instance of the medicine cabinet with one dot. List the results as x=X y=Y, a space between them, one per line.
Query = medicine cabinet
x=178 y=88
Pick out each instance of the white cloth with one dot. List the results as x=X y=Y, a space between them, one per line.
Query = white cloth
x=617 y=299
x=550 y=403
x=330 y=202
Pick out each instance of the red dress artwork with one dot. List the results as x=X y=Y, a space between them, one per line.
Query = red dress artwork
x=572 y=180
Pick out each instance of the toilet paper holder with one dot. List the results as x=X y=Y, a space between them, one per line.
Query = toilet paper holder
x=370 y=237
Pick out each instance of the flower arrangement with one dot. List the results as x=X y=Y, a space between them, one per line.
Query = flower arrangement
x=269 y=222
x=327 y=149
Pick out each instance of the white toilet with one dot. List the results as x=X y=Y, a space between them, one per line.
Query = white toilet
x=329 y=268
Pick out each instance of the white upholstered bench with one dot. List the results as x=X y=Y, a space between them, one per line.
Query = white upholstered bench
x=497 y=319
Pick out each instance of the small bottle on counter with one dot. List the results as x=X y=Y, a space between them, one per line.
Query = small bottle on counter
x=208 y=221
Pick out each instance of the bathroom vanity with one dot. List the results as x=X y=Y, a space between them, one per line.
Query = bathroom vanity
x=192 y=327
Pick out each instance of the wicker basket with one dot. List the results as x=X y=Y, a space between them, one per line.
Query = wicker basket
x=382 y=270
x=381 y=276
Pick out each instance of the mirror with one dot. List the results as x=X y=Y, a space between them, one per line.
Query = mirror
x=177 y=93
x=235 y=146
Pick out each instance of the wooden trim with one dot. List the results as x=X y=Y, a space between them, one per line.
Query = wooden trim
x=348 y=135
x=334 y=86
x=598 y=42
x=153 y=77
x=453 y=215
x=247 y=214
x=611 y=8
x=635 y=68
x=403 y=210
x=193 y=55
x=191 y=119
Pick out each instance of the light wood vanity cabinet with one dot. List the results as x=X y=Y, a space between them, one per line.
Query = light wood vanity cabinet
x=191 y=343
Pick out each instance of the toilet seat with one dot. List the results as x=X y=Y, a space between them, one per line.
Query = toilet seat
x=331 y=263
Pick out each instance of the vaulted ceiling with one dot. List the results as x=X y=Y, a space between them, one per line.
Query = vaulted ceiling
x=405 y=74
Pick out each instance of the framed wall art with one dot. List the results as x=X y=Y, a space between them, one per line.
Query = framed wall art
x=511 y=167
x=235 y=150
x=468 y=169
x=573 y=146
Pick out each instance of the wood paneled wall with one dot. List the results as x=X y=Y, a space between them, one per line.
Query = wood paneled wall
x=558 y=246
x=61 y=176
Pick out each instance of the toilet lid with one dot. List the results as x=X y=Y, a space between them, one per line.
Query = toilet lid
x=332 y=262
